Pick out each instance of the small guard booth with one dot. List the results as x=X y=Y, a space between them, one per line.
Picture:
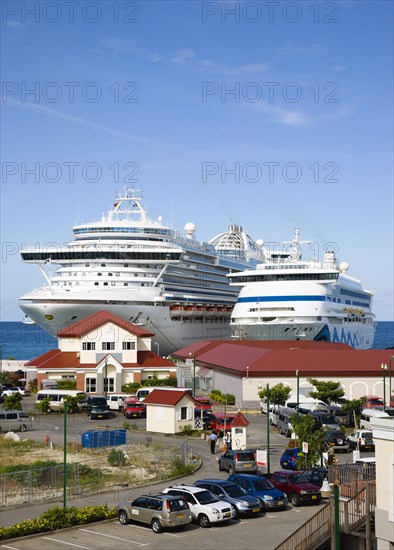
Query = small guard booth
x=239 y=431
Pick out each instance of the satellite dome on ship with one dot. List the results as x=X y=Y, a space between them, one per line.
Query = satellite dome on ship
x=235 y=242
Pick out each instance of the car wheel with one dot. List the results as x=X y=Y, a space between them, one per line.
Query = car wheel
x=295 y=500
x=230 y=470
x=156 y=526
x=237 y=513
x=203 y=520
x=339 y=441
x=280 y=430
x=220 y=467
x=23 y=428
x=123 y=519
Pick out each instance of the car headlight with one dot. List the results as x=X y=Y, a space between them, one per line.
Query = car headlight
x=244 y=503
x=215 y=511
x=303 y=492
x=267 y=497
x=285 y=495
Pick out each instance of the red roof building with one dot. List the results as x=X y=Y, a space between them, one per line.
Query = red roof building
x=101 y=346
x=244 y=367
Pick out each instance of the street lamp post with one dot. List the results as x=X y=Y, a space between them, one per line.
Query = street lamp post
x=384 y=367
x=194 y=372
x=298 y=390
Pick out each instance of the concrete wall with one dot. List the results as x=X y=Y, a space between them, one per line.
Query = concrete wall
x=383 y=433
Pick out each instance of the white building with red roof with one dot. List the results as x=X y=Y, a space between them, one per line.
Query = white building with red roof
x=101 y=346
x=169 y=411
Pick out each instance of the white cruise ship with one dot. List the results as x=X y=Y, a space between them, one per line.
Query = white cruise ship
x=286 y=298
x=144 y=272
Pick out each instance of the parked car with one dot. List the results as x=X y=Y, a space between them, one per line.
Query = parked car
x=134 y=409
x=205 y=507
x=337 y=441
x=262 y=488
x=289 y=458
x=362 y=440
x=297 y=490
x=220 y=422
x=232 y=493
x=158 y=511
x=14 y=421
x=15 y=389
x=325 y=420
x=97 y=407
x=373 y=402
x=238 y=461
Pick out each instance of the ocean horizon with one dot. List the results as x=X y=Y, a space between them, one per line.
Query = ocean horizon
x=25 y=342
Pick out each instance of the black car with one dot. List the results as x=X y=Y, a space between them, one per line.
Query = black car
x=337 y=441
x=315 y=476
x=97 y=407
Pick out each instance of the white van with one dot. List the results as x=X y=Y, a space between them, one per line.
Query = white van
x=12 y=421
x=57 y=398
x=307 y=403
x=116 y=401
x=367 y=416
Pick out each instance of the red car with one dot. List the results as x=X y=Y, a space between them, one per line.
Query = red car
x=133 y=409
x=296 y=488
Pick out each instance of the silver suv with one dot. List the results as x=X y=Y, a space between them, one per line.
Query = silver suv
x=204 y=506
x=238 y=462
x=159 y=511
x=14 y=420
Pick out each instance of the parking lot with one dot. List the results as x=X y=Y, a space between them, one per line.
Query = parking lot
x=264 y=532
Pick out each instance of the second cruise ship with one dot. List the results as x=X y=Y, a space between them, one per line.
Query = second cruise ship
x=288 y=298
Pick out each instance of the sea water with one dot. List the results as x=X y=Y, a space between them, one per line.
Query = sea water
x=24 y=342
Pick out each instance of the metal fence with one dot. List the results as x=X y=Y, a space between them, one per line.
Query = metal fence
x=142 y=465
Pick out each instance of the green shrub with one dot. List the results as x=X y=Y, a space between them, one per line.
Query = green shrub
x=12 y=402
x=130 y=387
x=180 y=469
x=43 y=405
x=187 y=430
x=116 y=458
x=67 y=384
x=57 y=518
x=217 y=392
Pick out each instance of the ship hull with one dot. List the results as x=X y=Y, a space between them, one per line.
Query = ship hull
x=170 y=334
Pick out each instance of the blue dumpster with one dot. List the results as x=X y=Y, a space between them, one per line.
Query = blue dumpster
x=103 y=438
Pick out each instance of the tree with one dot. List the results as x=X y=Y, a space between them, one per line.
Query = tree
x=353 y=408
x=12 y=402
x=279 y=394
x=306 y=431
x=326 y=390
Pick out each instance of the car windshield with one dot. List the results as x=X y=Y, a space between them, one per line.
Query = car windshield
x=328 y=420
x=262 y=485
x=296 y=478
x=206 y=497
x=234 y=491
x=366 y=434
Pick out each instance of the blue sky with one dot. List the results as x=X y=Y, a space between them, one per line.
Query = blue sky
x=269 y=116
